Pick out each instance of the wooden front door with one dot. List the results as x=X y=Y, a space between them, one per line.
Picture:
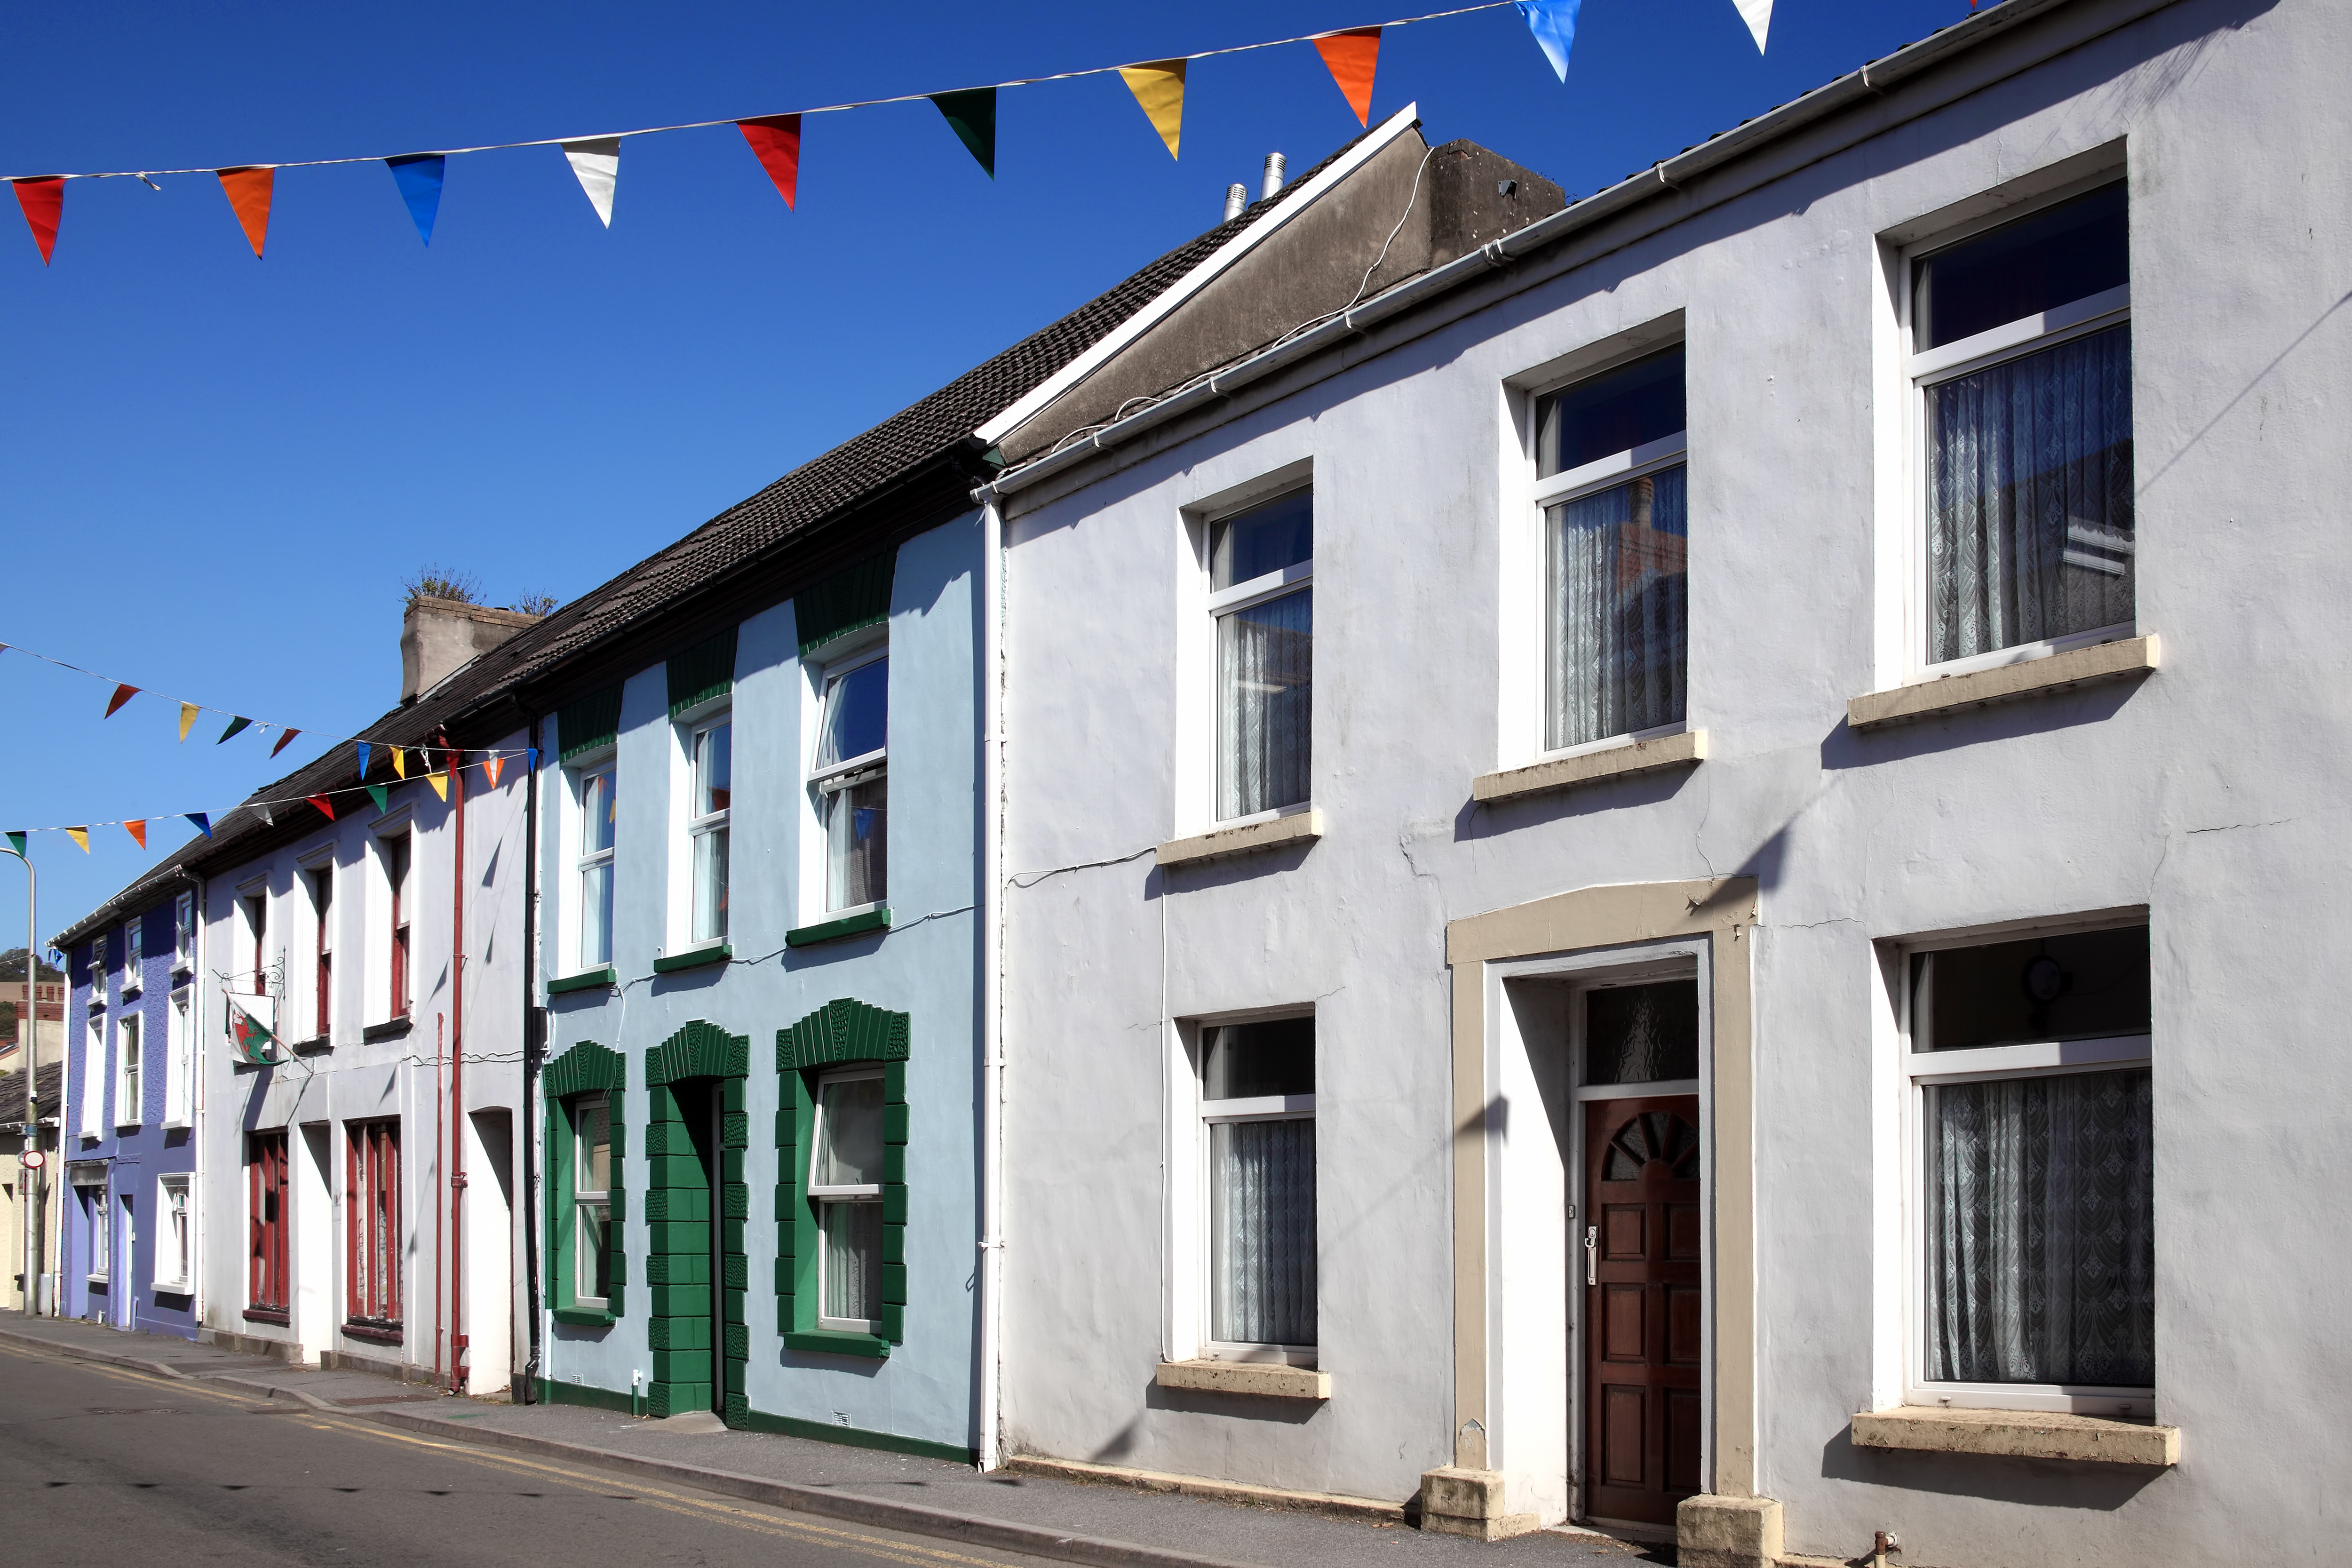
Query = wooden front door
x=1639 y=1258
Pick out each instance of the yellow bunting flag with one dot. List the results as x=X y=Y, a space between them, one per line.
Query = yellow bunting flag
x=1158 y=87
x=440 y=782
x=399 y=763
x=188 y=711
x=138 y=828
x=79 y=836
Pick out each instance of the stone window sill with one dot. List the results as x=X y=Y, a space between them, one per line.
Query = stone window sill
x=1298 y=828
x=1267 y=1379
x=2019 y=1433
x=587 y=979
x=281 y=1316
x=390 y=1029
x=2124 y=660
x=1683 y=751
x=859 y=924
x=371 y=1331
x=695 y=958
x=311 y=1047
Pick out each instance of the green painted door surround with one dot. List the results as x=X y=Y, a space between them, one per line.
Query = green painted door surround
x=587 y=1068
x=687 y=1367
x=842 y=1033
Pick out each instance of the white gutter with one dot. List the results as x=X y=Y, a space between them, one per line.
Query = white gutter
x=1296 y=200
x=991 y=984
x=1668 y=175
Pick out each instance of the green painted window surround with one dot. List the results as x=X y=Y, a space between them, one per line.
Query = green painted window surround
x=587 y=1068
x=695 y=958
x=859 y=924
x=585 y=980
x=585 y=1317
x=838 y=1342
x=849 y=601
x=843 y=1032
x=705 y=671
x=584 y=723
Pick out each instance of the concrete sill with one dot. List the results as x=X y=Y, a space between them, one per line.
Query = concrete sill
x=695 y=958
x=587 y=979
x=390 y=1029
x=311 y=1047
x=375 y=1333
x=281 y=1316
x=838 y=1342
x=859 y=924
x=1266 y=1379
x=584 y=1317
x=1685 y=750
x=2096 y=664
x=2019 y=1433
x=1298 y=828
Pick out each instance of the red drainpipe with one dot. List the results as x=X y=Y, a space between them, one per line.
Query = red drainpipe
x=457 y=1340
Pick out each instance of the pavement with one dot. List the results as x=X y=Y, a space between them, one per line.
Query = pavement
x=1040 y=1516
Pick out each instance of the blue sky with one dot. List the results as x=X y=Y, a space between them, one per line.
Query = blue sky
x=214 y=471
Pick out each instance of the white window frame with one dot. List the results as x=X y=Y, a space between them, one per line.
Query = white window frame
x=179 y=1058
x=134 y=956
x=176 y=1228
x=94 y=1077
x=826 y=784
x=691 y=727
x=1208 y=1114
x=98 y=986
x=822 y=1194
x=184 y=933
x=130 y=1062
x=1224 y=602
x=1918 y=1069
x=92 y=1181
x=1923 y=370
x=586 y=1198
x=604 y=764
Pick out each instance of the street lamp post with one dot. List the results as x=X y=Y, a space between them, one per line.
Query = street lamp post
x=35 y=1180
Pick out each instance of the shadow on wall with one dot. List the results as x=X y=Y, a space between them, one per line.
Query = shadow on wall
x=1845 y=748
x=2031 y=1483
x=1234 y=1406
x=1485 y=821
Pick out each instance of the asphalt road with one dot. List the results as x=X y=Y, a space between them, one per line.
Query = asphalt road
x=97 y=1461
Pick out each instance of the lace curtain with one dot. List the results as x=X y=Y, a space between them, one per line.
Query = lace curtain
x=1621 y=609
x=1262 y=1202
x=1265 y=676
x=2040 y=1221
x=2030 y=499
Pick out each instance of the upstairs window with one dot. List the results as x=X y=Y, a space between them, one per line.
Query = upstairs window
x=323 y=901
x=129 y=1108
x=711 y=790
x=845 y=1184
x=2021 y=346
x=1613 y=483
x=180 y=1059
x=134 y=941
x=396 y=858
x=184 y=933
x=593 y=865
x=257 y=928
x=1262 y=595
x=852 y=779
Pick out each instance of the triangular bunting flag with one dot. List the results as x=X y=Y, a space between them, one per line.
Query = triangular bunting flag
x=283 y=742
x=1757 y=14
x=418 y=175
x=381 y=795
x=248 y=197
x=1553 y=21
x=364 y=758
x=79 y=836
x=972 y=116
x=776 y=143
x=494 y=765
x=138 y=831
x=399 y=763
x=263 y=812
x=235 y=725
x=16 y=845
x=247 y=1032
x=1158 y=87
x=188 y=711
x=122 y=694
x=530 y=758
x=597 y=163
x=1352 y=56
x=203 y=820
x=44 y=201
x=320 y=802
x=440 y=782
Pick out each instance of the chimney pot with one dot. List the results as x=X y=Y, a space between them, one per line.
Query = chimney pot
x=1273 y=169
x=1237 y=198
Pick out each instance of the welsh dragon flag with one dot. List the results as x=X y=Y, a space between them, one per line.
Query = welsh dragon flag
x=249 y=1034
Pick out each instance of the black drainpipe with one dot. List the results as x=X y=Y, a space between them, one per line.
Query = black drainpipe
x=534 y=1051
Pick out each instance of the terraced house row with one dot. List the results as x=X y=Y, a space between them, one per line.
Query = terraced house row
x=1665 y=859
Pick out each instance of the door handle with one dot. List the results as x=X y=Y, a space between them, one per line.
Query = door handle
x=1592 y=1255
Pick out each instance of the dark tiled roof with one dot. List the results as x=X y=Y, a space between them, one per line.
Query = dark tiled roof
x=46 y=1081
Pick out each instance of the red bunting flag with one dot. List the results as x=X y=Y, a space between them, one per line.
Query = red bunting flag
x=44 y=201
x=320 y=802
x=284 y=741
x=1353 y=56
x=776 y=143
x=122 y=694
x=138 y=831
x=248 y=197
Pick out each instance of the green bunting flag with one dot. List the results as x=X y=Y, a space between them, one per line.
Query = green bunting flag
x=382 y=796
x=16 y=845
x=972 y=116
x=235 y=725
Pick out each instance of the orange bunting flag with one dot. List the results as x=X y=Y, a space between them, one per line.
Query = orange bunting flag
x=320 y=802
x=248 y=197
x=188 y=711
x=44 y=201
x=79 y=836
x=1353 y=56
x=1158 y=87
x=122 y=694
x=776 y=143
x=494 y=765
x=138 y=831
x=440 y=782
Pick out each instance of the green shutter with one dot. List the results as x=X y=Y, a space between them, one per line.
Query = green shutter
x=702 y=672
x=843 y=603
x=587 y=722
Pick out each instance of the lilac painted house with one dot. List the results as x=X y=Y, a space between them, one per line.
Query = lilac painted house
x=128 y=1139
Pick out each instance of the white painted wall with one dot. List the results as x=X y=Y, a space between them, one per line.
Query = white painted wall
x=2211 y=794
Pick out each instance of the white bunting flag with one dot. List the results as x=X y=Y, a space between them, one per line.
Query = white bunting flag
x=1756 y=13
x=597 y=162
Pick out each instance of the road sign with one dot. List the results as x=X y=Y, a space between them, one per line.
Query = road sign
x=33 y=1159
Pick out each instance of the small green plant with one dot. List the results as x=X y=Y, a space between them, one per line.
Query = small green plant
x=441 y=583
x=535 y=604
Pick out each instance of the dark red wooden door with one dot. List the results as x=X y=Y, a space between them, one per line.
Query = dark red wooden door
x=1639 y=1258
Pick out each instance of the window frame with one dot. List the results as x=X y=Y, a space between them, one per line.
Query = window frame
x=269 y=1245
x=184 y=933
x=399 y=851
x=175 y=1227
x=1225 y=603
x=1207 y=1115
x=603 y=763
x=582 y=1199
x=130 y=1107
x=322 y=878
x=179 y=1057
x=1920 y=371
x=134 y=942
x=828 y=783
x=97 y=1199
x=691 y=728
x=820 y=1196
x=371 y=1169
x=96 y=1075
x=1915 y=1071
x=254 y=903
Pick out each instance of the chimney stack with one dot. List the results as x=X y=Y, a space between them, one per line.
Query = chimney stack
x=1273 y=168
x=438 y=635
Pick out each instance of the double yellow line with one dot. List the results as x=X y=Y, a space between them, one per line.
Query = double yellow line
x=684 y=1504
